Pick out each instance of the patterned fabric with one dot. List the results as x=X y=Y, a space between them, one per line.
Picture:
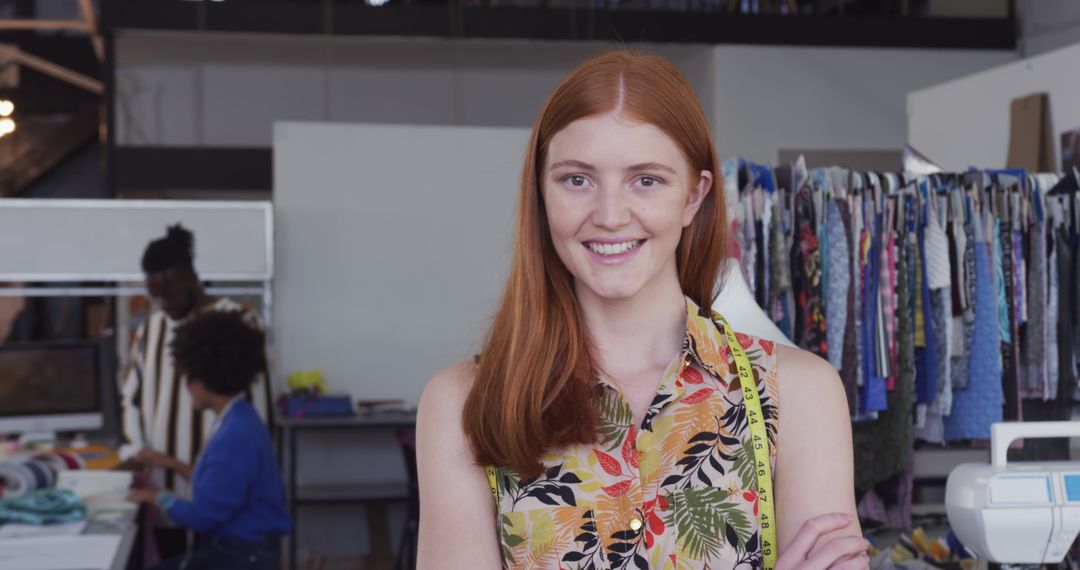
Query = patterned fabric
x=883 y=447
x=1053 y=299
x=966 y=238
x=1010 y=357
x=1033 y=358
x=926 y=356
x=937 y=254
x=676 y=491
x=873 y=394
x=780 y=271
x=837 y=284
x=934 y=428
x=748 y=244
x=849 y=372
x=998 y=262
x=890 y=299
x=1066 y=331
x=858 y=278
x=979 y=405
x=810 y=318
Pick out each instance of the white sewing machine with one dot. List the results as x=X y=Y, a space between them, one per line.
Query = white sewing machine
x=1017 y=513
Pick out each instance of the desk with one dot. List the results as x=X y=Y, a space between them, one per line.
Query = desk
x=111 y=555
x=374 y=496
x=128 y=531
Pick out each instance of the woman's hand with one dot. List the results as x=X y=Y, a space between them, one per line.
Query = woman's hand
x=155 y=459
x=150 y=458
x=148 y=496
x=807 y=551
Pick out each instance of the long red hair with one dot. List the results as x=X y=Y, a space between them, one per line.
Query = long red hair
x=535 y=381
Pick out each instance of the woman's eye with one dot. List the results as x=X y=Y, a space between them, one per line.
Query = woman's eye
x=649 y=181
x=576 y=180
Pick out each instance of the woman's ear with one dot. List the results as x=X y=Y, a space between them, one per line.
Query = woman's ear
x=697 y=195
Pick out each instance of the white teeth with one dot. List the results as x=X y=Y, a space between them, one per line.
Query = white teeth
x=613 y=249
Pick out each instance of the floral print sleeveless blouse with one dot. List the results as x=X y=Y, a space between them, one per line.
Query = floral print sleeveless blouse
x=676 y=492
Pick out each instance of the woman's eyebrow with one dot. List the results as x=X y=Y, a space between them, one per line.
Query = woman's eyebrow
x=573 y=163
x=651 y=166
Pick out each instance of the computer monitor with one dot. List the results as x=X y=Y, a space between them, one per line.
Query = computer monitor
x=48 y=388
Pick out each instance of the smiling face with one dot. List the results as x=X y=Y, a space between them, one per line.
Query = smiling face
x=618 y=193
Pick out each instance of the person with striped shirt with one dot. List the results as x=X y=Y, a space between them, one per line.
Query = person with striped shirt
x=159 y=420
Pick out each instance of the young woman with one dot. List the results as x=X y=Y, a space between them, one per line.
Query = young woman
x=603 y=425
x=238 y=500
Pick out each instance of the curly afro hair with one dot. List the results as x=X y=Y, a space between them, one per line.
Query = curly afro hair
x=221 y=350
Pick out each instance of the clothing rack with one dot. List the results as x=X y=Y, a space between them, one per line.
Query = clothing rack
x=946 y=301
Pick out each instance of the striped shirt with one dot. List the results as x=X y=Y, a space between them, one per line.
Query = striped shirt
x=157 y=408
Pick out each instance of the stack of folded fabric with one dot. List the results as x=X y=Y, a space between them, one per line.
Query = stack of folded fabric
x=47 y=506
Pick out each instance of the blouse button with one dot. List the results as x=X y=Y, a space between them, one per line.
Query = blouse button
x=635 y=524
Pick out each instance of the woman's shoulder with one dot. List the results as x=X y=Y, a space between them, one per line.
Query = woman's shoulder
x=454 y=380
x=811 y=390
x=446 y=392
x=798 y=369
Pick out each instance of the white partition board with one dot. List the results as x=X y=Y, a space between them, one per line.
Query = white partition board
x=965 y=122
x=103 y=240
x=392 y=248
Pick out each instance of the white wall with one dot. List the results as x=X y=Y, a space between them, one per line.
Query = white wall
x=227 y=90
x=188 y=89
x=769 y=98
x=391 y=246
x=965 y=122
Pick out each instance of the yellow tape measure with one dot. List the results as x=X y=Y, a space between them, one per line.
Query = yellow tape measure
x=493 y=482
x=760 y=441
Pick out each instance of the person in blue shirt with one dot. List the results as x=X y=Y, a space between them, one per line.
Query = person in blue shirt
x=238 y=500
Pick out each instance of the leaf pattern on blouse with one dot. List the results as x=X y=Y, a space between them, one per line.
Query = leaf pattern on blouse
x=676 y=492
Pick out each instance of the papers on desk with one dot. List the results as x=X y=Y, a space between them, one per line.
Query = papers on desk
x=82 y=552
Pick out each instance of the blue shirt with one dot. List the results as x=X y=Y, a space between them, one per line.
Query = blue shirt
x=237 y=488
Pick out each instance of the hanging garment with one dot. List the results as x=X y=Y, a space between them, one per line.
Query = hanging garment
x=1009 y=355
x=873 y=392
x=766 y=253
x=939 y=280
x=889 y=298
x=1033 y=370
x=994 y=227
x=882 y=447
x=963 y=307
x=761 y=288
x=1074 y=300
x=882 y=296
x=926 y=358
x=780 y=271
x=979 y=405
x=810 y=316
x=1066 y=329
x=838 y=283
x=849 y=371
x=1059 y=406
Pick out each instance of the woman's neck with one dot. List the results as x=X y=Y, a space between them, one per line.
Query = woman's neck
x=218 y=403
x=635 y=333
